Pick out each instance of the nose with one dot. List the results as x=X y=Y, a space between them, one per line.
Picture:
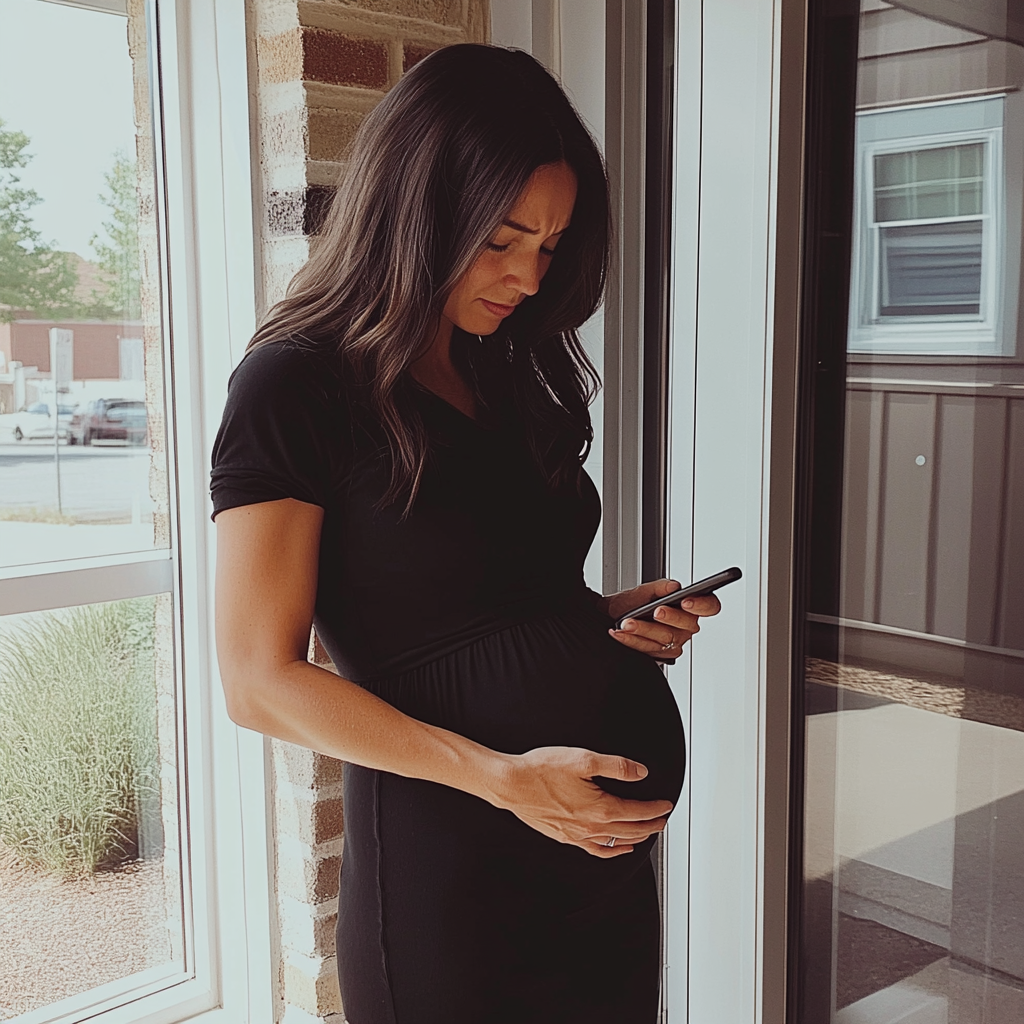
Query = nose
x=525 y=273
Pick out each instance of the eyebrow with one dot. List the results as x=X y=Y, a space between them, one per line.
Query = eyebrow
x=516 y=226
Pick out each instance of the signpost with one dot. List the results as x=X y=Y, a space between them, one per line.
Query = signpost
x=62 y=358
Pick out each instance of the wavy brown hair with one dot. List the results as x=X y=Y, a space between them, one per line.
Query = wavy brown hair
x=433 y=171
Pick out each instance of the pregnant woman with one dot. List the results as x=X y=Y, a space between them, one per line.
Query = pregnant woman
x=400 y=465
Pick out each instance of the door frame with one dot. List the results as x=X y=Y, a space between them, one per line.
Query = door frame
x=735 y=292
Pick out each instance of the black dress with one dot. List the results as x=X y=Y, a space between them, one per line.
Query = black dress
x=471 y=614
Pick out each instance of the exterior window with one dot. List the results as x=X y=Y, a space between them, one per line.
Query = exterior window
x=929 y=238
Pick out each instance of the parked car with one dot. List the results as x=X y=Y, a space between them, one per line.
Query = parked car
x=36 y=422
x=109 y=419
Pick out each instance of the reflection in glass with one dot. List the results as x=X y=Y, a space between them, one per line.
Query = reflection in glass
x=80 y=308
x=931 y=269
x=90 y=886
x=942 y=181
x=913 y=855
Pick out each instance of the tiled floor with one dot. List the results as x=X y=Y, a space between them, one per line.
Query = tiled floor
x=942 y=993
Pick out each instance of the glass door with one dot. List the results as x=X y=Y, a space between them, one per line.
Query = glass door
x=909 y=874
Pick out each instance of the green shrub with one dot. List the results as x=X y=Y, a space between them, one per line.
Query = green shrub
x=78 y=757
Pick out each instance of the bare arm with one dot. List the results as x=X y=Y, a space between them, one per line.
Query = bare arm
x=267 y=557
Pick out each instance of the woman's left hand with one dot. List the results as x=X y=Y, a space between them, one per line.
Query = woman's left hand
x=664 y=637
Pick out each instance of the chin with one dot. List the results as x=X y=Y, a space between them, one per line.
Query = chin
x=480 y=326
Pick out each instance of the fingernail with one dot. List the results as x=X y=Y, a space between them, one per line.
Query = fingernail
x=629 y=625
x=688 y=603
x=660 y=613
x=641 y=771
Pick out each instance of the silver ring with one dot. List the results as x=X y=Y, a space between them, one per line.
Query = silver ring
x=668 y=646
x=611 y=841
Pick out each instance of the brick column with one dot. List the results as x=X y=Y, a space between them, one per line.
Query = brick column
x=320 y=67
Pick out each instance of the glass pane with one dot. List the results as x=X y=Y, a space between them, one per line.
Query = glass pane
x=90 y=878
x=929 y=183
x=913 y=671
x=79 y=288
x=931 y=269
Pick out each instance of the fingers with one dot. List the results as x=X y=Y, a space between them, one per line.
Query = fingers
x=612 y=766
x=671 y=627
x=707 y=604
x=605 y=852
x=662 y=588
x=654 y=637
x=630 y=831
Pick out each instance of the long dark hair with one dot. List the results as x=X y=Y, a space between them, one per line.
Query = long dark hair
x=433 y=171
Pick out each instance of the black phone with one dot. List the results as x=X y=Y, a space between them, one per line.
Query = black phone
x=698 y=589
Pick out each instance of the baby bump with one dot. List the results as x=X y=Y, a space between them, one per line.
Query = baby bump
x=556 y=680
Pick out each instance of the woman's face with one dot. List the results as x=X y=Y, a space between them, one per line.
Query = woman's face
x=515 y=260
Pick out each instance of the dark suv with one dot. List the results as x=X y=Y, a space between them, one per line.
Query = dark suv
x=109 y=419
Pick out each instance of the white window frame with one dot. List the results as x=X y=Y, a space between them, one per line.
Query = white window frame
x=735 y=279
x=209 y=253
x=936 y=335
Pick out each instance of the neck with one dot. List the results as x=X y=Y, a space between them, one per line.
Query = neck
x=437 y=360
x=434 y=370
x=438 y=355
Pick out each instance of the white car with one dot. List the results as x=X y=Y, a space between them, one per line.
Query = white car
x=35 y=422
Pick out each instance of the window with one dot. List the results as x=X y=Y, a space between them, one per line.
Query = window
x=928 y=243
x=120 y=888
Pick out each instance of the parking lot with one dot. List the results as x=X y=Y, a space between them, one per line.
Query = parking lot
x=98 y=483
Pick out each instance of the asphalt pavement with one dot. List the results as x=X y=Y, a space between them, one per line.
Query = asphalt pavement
x=97 y=482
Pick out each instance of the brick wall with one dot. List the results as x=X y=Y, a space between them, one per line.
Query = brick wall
x=319 y=67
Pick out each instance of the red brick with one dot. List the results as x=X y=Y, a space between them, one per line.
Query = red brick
x=328 y=820
x=335 y=59
x=413 y=54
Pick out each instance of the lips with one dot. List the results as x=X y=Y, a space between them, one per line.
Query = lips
x=497 y=309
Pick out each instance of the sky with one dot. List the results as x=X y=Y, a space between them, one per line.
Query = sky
x=66 y=82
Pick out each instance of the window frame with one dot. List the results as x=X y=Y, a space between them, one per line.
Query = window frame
x=196 y=48
x=959 y=334
x=735 y=294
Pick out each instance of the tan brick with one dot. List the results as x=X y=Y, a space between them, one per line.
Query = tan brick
x=279 y=57
x=283 y=136
x=343 y=60
x=331 y=132
x=305 y=768
x=313 y=820
x=308 y=930
x=441 y=12
x=311 y=985
x=314 y=879
x=282 y=256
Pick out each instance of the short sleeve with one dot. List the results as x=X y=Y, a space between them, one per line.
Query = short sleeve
x=279 y=437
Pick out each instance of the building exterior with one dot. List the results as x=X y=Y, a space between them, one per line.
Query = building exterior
x=100 y=352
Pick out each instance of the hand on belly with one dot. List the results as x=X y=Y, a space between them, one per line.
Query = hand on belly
x=552 y=790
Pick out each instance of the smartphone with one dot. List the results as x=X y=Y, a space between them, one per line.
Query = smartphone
x=698 y=589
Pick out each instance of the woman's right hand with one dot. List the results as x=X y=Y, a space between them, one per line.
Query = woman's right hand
x=552 y=790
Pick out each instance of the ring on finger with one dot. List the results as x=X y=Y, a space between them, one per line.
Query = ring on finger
x=611 y=841
x=668 y=646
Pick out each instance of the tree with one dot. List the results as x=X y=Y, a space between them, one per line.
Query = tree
x=33 y=275
x=118 y=254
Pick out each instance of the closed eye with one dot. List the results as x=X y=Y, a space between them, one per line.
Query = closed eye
x=494 y=247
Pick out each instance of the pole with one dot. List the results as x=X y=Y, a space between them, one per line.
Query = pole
x=61 y=359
